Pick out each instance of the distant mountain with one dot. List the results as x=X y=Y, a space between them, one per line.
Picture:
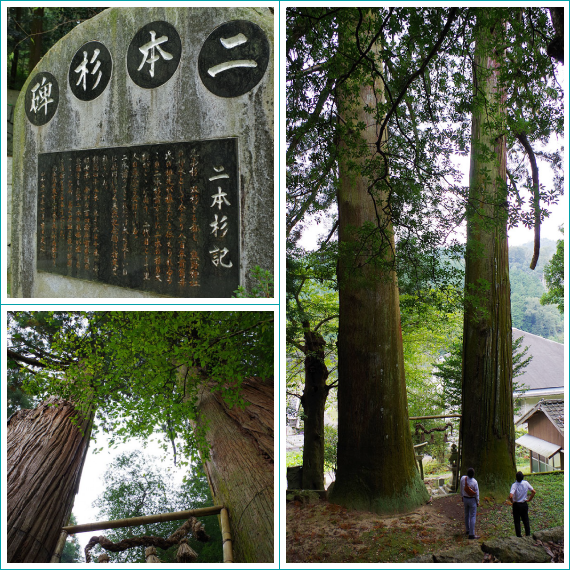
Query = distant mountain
x=527 y=286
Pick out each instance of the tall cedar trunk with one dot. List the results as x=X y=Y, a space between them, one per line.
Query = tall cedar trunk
x=313 y=400
x=376 y=469
x=240 y=468
x=45 y=456
x=37 y=32
x=16 y=53
x=487 y=426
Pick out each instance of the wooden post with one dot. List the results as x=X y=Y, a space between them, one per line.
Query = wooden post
x=226 y=535
x=59 y=548
x=135 y=521
x=434 y=417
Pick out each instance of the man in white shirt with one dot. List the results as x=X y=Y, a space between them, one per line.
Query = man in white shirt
x=470 y=495
x=520 y=500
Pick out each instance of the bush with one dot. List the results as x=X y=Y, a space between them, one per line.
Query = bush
x=294 y=458
x=331 y=442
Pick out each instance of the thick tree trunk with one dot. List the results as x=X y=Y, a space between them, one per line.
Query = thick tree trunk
x=487 y=426
x=16 y=55
x=555 y=48
x=36 y=39
x=376 y=469
x=313 y=400
x=240 y=467
x=45 y=456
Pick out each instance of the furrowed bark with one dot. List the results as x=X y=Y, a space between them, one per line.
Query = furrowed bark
x=45 y=456
x=376 y=469
x=313 y=400
x=240 y=467
x=487 y=423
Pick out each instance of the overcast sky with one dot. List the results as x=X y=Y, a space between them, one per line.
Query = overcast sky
x=517 y=236
x=91 y=485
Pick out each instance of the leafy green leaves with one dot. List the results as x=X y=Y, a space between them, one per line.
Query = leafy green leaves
x=144 y=370
x=136 y=485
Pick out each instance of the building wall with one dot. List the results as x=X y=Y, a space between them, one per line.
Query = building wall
x=540 y=426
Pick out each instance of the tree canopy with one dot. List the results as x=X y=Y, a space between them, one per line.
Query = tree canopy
x=126 y=365
x=33 y=31
x=428 y=77
x=554 y=277
x=136 y=485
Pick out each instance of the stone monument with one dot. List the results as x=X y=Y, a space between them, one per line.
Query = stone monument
x=144 y=159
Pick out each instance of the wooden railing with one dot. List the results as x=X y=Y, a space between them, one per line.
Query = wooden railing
x=150 y=519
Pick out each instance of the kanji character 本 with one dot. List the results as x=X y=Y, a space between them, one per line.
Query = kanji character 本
x=219 y=225
x=220 y=197
x=230 y=43
x=150 y=48
x=218 y=257
x=83 y=70
x=41 y=96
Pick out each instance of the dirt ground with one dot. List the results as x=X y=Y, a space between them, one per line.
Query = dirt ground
x=322 y=532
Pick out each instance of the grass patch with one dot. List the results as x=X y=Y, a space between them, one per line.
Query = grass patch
x=294 y=458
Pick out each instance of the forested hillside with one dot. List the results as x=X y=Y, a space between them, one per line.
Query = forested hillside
x=527 y=286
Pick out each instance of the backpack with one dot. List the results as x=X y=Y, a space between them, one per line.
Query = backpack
x=468 y=490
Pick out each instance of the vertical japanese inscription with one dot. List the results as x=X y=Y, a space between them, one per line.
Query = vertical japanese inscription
x=161 y=218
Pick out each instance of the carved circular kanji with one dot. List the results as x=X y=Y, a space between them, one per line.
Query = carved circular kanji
x=90 y=71
x=154 y=54
x=42 y=98
x=234 y=58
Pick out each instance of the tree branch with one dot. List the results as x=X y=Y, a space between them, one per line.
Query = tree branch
x=536 y=195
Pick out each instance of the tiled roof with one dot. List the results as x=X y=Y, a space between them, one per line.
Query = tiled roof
x=553 y=409
x=546 y=369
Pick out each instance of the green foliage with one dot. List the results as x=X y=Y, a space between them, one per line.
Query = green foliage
x=314 y=307
x=16 y=397
x=331 y=443
x=554 y=276
x=426 y=66
x=448 y=371
x=143 y=370
x=135 y=485
x=263 y=285
x=55 y=23
x=430 y=323
x=527 y=288
x=294 y=458
x=521 y=452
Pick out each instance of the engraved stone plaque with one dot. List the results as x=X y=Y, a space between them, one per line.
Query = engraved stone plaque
x=154 y=54
x=160 y=217
x=90 y=71
x=233 y=58
x=42 y=98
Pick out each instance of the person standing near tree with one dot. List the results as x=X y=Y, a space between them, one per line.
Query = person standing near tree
x=520 y=499
x=470 y=495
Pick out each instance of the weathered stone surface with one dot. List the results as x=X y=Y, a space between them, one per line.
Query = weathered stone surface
x=421 y=559
x=304 y=496
x=459 y=555
x=514 y=549
x=126 y=114
x=555 y=534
